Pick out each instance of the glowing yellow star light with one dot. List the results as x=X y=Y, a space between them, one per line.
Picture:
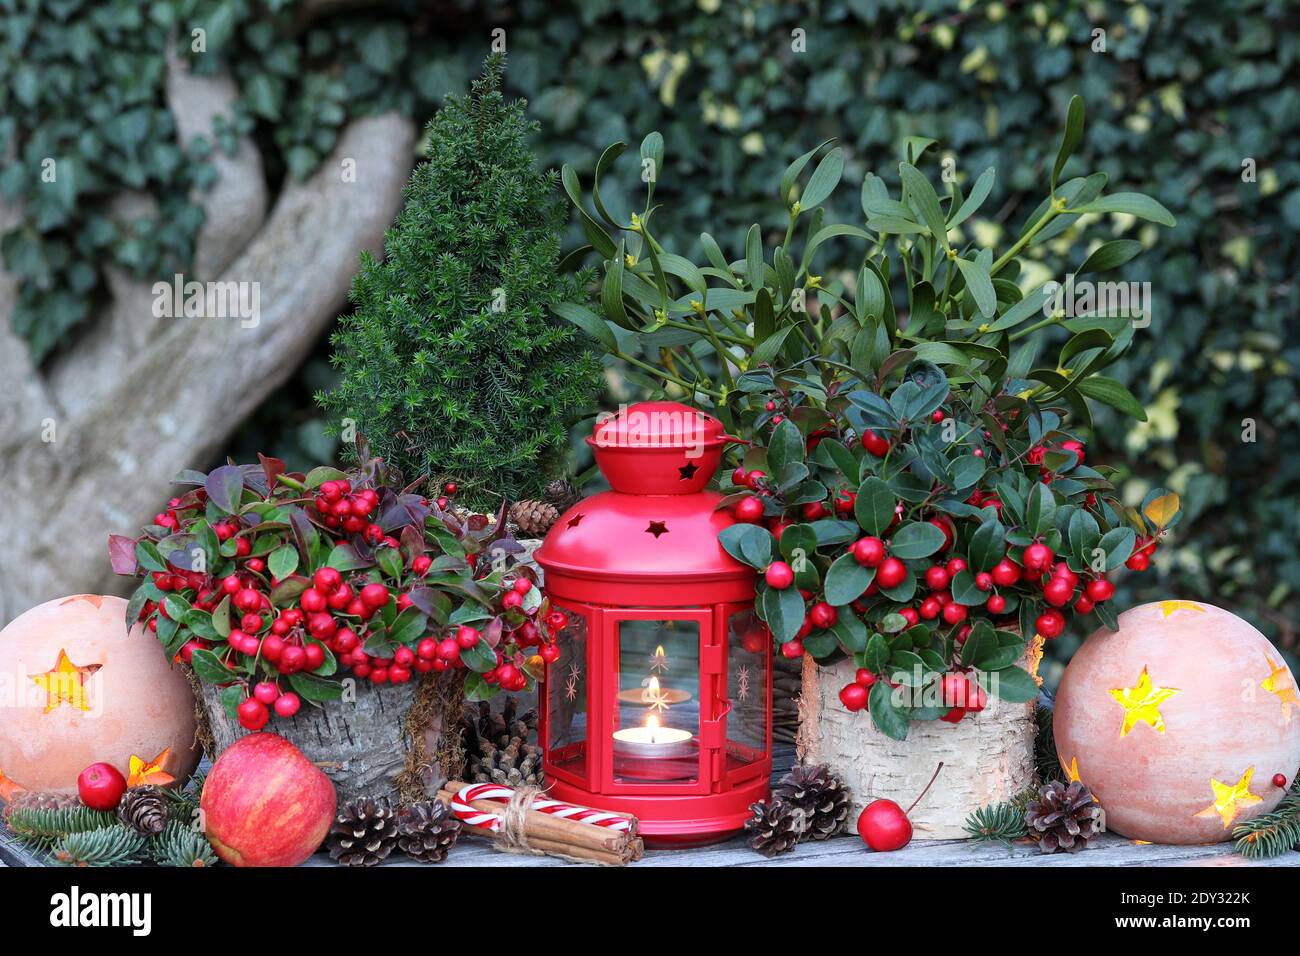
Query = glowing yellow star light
x=1072 y=771
x=1141 y=703
x=1280 y=682
x=1229 y=800
x=1169 y=607
x=141 y=772
x=65 y=683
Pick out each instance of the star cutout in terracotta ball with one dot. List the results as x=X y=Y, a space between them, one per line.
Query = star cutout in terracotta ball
x=65 y=683
x=1230 y=798
x=141 y=773
x=1141 y=703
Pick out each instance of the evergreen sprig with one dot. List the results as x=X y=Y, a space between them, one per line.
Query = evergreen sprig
x=1000 y=822
x=181 y=845
x=109 y=846
x=1271 y=834
x=42 y=827
x=453 y=364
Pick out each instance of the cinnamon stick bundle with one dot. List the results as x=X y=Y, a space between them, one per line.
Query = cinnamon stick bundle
x=560 y=837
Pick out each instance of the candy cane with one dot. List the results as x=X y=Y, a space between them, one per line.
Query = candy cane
x=471 y=816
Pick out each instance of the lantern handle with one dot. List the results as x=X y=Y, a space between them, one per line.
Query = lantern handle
x=733 y=440
x=726 y=710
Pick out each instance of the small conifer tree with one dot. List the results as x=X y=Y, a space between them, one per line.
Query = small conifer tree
x=453 y=364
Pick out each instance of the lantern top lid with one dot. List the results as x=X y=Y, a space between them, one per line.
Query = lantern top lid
x=658 y=448
x=653 y=539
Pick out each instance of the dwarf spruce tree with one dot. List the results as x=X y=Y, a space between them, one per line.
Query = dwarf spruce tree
x=453 y=365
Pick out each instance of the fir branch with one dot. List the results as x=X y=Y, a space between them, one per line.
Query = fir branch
x=109 y=846
x=41 y=828
x=1000 y=822
x=1271 y=834
x=182 y=845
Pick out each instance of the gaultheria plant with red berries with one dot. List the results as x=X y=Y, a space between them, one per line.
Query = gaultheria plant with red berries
x=917 y=493
x=276 y=586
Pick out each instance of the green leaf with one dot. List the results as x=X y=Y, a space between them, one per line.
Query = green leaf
x=926 y=201
x=1012 y=684
x=846 y=580
x=748 y=544
x=979 y=192
x=785 y=447
x=1112 y=393
x=148 y=558
x=783 y=611
x=987 y=545
x=313 y=688
x=916 y=539
x=823 y=180
x=1117 y=545
x=480 y=658
x=321 y=474
x=589 y=322
x=791 y=174
x=754 y=257
x=1135 y=204
x=1110 y=255
x=209 y=668
x=283 y=561
x=1040 y=509
x=890 y=719
x=980 y=286
x=876 y=656
x=1070 y=139
x=874 y=506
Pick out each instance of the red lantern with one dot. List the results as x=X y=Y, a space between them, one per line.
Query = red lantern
x=660 y=703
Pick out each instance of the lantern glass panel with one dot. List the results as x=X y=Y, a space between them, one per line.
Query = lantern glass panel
x=656 y=735
x=747 y=664
x=566 y=705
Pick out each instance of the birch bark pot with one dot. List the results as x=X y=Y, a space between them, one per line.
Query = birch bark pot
x=365 y=746
x=988 y=757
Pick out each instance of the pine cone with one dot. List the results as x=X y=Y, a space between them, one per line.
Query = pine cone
x=534 y=518
x=363 y=834
x=821 y=795
x=144 y=810
x=496 y=745
x=1063 y=817
x=426 y=831
x=561 y=494
x=775 y=827
x=38 y=800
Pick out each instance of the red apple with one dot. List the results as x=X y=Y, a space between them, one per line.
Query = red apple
x=101 y=786
x=265 y=804
x=884 y=826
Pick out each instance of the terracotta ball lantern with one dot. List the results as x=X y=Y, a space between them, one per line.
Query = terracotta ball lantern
x=78 y=689
x=1179 y=721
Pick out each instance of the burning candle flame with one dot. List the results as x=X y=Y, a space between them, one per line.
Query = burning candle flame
x=652 y=724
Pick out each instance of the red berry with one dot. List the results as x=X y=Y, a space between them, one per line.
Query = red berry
x=779 y=575
x=944 y=525
x=910 y=616
x=313 y=601
x=313 y=656
x=1037 y=557
x=266 y=692
x=1100 y=590
x=322 y=626
x=448 y=649
x=754 y=480
x=813 y=511
x=427 y=648
x=242 y=547
x=955 y=566
x=1050 y=624
x=931 y=608
x=1058 y=592
x=512 y=599
x=984 y=581
x=327 y=579
x=253 y=714
x=823 y=615
x=557 y=621
x=792 y=649
x=522 y=585
x=874 y=444
x=749 y=510
x=954 y=613
x=1006 y=573
x=864 y=677
x=346 y=639
x=869 y=551
x=996 y=604
x=450 y=488
x=374 y=595
x=1138 y=562
x=891 y=573
x=1279 y=780
x=230 y=583
x=853 y=696
x=1074 y=446
x=550 y=653
x=740 y=477
x=1083 y=605
x=936 y=577
x=467 y=636
x=293 y=659
x=287 y=704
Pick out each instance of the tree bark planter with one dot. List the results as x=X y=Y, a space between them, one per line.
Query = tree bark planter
x=388 y=743
x=987 y=757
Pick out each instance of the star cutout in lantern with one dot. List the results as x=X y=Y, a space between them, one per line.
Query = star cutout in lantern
x=1229 y=800
x=657 y=528
x=571 y=683
x=742 y=683
x=140 y=773
x=65 y=683
x=573 y=522
x=1169 y=607
x=1141 y=703
x=688 y=470
x=1280 y=682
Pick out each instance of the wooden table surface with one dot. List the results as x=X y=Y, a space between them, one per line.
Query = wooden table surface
x=1106 y=850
